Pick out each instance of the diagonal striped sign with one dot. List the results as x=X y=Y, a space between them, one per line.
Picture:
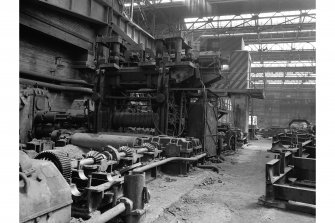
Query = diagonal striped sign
x=239 y=72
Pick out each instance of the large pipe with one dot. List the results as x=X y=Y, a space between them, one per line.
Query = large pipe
x=56 y=87
x=98 y=141
x=110 y=214
x=159 y=163
x=53 y=78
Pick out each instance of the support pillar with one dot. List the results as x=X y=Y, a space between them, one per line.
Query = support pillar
x=240 y=104
x=179 y=44
x=135 y=190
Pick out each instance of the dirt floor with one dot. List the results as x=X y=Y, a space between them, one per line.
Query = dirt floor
x=230 y=196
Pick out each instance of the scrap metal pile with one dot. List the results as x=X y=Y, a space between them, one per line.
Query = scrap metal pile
x=290 y=177
x=291 y=137
x=300 y=126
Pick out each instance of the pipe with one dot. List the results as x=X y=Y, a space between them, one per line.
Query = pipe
x=112 y=213
x=56 y=87
x=214 y=168
x=52 y=78
x=141 y=150
x=97 y=141
x=159 y=163
x=87 y=161
x=306 y=143
x=131 y=10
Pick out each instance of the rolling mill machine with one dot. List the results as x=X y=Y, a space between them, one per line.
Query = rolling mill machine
x=145 y=107
x=150 y=111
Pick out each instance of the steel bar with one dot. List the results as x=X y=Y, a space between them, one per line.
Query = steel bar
x=107 y=185
x=159 y=163
x=55 y=86
x=110 y=214
x=299 y=194
x=53 y=78
x=254 y=93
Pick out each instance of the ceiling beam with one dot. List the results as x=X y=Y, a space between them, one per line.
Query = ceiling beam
x=252 y=29
x=275 y=37
x=285 y=86
x=300 y=69
x=280 y=37
x=297 y=78
x=283 y=55
x=230 y=7
x=249 y=17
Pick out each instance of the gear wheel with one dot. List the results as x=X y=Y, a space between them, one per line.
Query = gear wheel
x=60 y=160
x=96 y=156
x=107 y=154
x=149 y=146
x=127 y=150
x=31 y=153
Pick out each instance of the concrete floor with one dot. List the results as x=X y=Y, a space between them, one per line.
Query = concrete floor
x=230 y=196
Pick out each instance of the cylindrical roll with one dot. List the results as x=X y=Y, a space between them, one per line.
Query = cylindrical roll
x=99 y=141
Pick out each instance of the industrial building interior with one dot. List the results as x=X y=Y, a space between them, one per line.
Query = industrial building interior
x=154 y=111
